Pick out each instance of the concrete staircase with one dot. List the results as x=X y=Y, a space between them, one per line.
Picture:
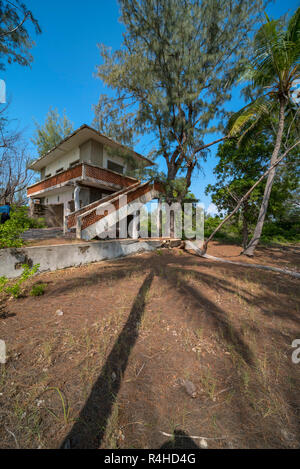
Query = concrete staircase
x=98 y=218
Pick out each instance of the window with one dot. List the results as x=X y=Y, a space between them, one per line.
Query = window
x=59 y=170
x=115 y=167
x=48 y=176
x=74 y=163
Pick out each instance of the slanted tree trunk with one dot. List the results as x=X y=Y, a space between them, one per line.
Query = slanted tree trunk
x=245 y=197
x=245 y=232
x=249 y=251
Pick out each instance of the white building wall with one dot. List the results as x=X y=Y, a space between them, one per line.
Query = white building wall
x=63 y=162
x=60 y=198
x=115 y=158
x=66 y=159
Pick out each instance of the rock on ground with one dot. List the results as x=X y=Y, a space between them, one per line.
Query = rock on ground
x=2 y=352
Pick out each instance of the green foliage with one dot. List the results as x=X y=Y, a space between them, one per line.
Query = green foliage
x=174 y=73
x=111 y=120
x=15 y=46
x=15 y=289
x=227 y=232
x=3 y=282
x=10 y=231
x=273 y=67
x=55 y=129
x=274 y=232
x=281 y=232
x=272 y=70
x=236 y=172
x=38 y=289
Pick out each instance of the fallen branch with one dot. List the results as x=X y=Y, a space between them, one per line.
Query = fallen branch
x=194 y=437
x=191 y=245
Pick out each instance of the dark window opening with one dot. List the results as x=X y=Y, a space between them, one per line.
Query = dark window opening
x=74 y=163
x=59 y=170
x=115 y=167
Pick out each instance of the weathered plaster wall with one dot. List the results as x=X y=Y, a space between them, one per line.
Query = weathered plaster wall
x=60 y=198
x=68 y=255
x=115 y=158
x=63 y=162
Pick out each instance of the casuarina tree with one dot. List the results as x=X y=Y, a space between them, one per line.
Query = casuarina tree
x=174 y=73
x=15 y=41
x=55 y=129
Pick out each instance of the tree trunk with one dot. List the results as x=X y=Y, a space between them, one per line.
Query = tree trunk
x=245 y=232
x=245 y=197
x=249 y=251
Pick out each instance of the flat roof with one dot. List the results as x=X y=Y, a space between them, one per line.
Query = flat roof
x=77 y=138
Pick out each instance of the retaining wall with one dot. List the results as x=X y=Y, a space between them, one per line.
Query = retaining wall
x=60 y=256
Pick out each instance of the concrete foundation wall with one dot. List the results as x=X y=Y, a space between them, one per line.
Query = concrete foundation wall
x=68 y=255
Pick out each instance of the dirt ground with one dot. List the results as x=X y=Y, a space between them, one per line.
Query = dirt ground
x=152 y=345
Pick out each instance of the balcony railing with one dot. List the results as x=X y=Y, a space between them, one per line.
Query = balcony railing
x=82 y=172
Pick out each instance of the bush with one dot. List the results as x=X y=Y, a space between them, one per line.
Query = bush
x=15 y=289
x=10 y=231
x=228 y=232
x=281 y=232
x=38 y=289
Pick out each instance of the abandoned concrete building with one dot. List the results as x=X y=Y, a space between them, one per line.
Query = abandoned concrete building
x=79 y=176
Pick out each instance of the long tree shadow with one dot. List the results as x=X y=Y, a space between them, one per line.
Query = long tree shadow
x=180 y=440
x=90 y=428
x=266 y=304
x=218 y=315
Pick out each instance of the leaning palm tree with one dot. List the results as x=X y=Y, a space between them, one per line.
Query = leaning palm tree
x=272 y=72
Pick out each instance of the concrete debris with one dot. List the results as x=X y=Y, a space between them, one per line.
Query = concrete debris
x=2 y=352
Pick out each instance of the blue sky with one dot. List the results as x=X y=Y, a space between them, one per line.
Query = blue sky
x=65 y=59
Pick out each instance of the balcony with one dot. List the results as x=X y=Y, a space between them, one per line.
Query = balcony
x=83 y=174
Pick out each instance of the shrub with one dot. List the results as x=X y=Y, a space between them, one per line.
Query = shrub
x=15 y=289
x=38 y=289
x=10 y=232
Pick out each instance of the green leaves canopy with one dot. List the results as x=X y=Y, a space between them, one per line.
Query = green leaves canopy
x=15 y=42
x=175 y=70
x=55 y=129
x=272 y=70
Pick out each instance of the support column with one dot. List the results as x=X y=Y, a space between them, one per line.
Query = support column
x=136 y=225
x=76 y=198
x=67 y=212
x=159 y=218
x=31 y=207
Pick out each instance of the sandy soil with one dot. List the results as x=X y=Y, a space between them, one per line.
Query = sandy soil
x=115 y=370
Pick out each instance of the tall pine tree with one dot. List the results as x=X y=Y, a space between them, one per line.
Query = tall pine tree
x=55 y=129
x=175 y=71
x=15 y=41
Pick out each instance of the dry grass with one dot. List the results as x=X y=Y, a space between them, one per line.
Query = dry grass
x=109 y=372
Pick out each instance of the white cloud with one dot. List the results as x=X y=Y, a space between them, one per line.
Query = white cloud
x=212 y=209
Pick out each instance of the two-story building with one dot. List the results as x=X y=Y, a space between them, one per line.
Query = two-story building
x=83 y=168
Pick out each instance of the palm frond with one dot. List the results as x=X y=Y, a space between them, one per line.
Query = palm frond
x=247 y=115
x=293 y=29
